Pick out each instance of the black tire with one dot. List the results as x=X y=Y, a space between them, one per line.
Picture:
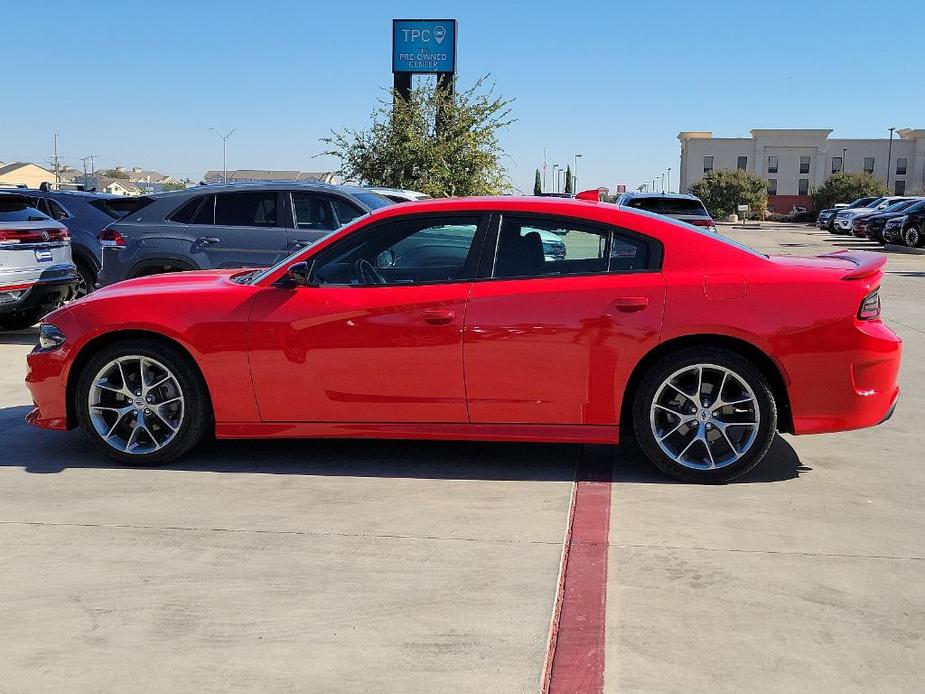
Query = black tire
x=913 y=236
x=21 y=320
x=197 y=413
x=87 y=279
x=745 y=370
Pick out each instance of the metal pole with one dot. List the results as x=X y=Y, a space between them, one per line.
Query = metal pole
x=575 y=175
x=844 y=160
x=224 y=142
x=889 y=161
x=555 y=178
x=669 y=179
x=57 y=178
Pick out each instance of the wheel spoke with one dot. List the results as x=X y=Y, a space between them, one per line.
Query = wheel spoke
x=164 y=420
x=686 y=395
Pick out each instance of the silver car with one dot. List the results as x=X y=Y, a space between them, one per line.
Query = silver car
x=680 y=206
x=36 y=270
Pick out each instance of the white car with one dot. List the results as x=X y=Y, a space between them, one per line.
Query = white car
x=399 y=194
x=36 y=270
x=845 y=218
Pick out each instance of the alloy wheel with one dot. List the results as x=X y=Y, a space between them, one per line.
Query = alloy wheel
x=136 y=404
x=704 y=416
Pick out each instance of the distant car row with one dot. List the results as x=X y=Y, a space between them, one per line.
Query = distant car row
x=893 y=219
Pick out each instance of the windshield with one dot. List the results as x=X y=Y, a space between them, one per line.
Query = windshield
x=669 y=206
x=901 y=205
x=861 y=202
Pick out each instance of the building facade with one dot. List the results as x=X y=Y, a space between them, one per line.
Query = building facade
x=794 y=162
x=25 y=174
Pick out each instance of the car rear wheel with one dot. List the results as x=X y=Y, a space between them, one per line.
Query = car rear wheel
x=86 y=279
x=704 y=415
x=142 y=402
x=914 y=236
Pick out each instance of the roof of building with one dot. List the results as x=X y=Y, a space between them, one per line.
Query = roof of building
x=16 y=165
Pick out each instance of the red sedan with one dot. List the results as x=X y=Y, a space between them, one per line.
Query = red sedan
x=506 y=319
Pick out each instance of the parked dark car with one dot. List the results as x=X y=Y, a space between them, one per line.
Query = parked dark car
x=826 y=218
x=907 y=228
x=227 y=226
x=874 y=226
x=85 y=215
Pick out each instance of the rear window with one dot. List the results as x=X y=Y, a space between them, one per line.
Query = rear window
x=117 y=208
x=669 y=206
x=18 y=209
x=372 y=200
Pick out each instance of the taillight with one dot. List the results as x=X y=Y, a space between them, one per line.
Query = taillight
x=708 y=224
x=870 y=307
x=111 y=238
x=11 y=236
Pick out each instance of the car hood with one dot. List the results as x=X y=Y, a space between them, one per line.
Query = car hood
x=168 y=283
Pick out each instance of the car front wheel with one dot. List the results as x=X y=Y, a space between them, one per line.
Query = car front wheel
x=142 y=402
x=704 y=415
x=913 y=236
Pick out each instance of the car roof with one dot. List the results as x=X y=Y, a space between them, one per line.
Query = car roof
x=73 y=194
x=677 y=196
x=262 y=185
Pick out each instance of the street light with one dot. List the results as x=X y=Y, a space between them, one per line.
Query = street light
x=669 y=179
x=224 y=160
x=844 y=160
x=889 y=160
x=555 y=179
x=575 y=175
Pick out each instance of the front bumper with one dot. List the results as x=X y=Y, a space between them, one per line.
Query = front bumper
x=47 y=375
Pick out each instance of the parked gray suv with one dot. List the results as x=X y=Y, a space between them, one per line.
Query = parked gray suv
x=227 y=226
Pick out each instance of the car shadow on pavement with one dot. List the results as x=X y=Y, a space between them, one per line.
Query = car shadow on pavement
x=19 y=337
x=43 y=452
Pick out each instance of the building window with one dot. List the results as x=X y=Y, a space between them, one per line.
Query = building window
x=772 y=164
x=837 y=164
x=804 y=165
x=772 y=186
x=804 y=187
x=901 y=166
x=707 y=164
x=899 y=187
x=742 y=163
x=868 y=165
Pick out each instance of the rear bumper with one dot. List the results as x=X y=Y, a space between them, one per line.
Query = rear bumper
x=856 y=390
x=51 y=290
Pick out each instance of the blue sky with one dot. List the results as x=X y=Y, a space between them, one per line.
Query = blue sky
x=142 y=83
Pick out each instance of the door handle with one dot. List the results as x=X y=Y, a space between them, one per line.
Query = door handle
x=300 y=243
x=439 y=316
x=630 y=304
x=206 y=240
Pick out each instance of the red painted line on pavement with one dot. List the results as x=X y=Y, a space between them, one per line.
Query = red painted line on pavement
x=575 y=653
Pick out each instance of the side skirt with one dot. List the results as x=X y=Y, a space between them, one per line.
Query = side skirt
x=547 y=433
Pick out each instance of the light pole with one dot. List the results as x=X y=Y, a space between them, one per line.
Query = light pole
x=224 y=144
x=555 y=178
x=889 y=160
x=575 y=175
x=562 y=187
x=663 y=183
x=669 y=179
x=844 y=160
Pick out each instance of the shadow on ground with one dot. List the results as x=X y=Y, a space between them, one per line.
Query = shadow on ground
x=19 y=337
x=44 y=452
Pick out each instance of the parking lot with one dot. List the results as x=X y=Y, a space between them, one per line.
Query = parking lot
x=421 y=567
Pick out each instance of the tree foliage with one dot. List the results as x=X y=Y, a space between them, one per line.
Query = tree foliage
x=538 y=184
x=435 y=142
x=113 y=173
x=847 y=187
x=569 y=183
x=722 y=190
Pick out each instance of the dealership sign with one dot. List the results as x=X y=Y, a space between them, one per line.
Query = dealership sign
x=424 y=45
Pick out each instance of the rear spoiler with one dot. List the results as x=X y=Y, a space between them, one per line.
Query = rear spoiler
x=867 y=263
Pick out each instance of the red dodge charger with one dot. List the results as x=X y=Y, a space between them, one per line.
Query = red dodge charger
x=504 y=319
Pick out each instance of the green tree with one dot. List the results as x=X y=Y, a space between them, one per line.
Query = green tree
x=538 y=184
x=722 y=190
x=569 y=183
x=173 y=186
x=847 y=187
x=435 y=142
x=113 y=173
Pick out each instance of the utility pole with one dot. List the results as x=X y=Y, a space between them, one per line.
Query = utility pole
x=224 y=149
x=56 y=161
x=889 y=161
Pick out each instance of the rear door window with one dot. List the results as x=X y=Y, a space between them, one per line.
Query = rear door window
x=206 y=213
x=252 y=209
x=187 y=212
x=314 y=211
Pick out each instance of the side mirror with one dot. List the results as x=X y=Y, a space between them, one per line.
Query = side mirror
x=298 y=274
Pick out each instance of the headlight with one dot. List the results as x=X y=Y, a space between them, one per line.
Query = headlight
x=50 y=337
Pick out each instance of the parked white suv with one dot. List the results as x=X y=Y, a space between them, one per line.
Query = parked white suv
x=36 y=270
x=844 y=218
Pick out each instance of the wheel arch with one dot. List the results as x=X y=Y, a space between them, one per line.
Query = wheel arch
x=99 y=342
x=753 y=353
x=141 y=268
